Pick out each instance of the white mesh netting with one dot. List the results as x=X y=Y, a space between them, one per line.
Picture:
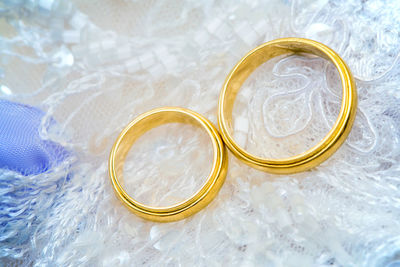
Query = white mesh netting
x=95 y=65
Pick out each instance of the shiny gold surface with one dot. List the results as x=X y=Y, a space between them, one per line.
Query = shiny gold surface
x=321 y=151
x=146 y=122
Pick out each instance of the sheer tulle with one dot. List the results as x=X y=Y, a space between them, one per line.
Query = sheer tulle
x=93 y=67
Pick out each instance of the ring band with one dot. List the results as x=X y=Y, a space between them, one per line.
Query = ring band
x=153 y=119
x=318 y=153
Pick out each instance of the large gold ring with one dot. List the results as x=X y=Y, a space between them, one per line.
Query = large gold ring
x=321 y=151
x=153 y=119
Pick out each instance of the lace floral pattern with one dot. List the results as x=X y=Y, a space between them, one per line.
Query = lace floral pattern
x=94 y=66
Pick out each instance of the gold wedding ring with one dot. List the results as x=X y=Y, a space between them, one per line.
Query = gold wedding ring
x=153 y=119
x=321 y=151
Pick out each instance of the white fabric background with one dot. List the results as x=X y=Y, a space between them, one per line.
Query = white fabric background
x=95 y=65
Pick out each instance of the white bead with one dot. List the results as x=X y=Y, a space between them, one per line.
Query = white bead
x=117 y=69
x=30 y=5
x=14 y=2
x=78 y=20
x=146 y=60
x=46 y=4
x=161 y=51
x=245 y=94
x=5 y=90
x=242 y=124
x=165 y=57
x=202 y=37
x=240 y=138
x=283 y=218
x=165 y=241
x=309 y=225
x=71 y=37
x=63 y=57
x=94 y=48
x=246 y=33
x=106 y=56
x=298 y=212
x=92 y=59
x=267 y=188
x=224 y=31
x=133 y=65
x=124 y=52
x=214 y=25
x=317 y=30
x=261 y=27
x=79 y=51
x=108 y=44
x=156 y=70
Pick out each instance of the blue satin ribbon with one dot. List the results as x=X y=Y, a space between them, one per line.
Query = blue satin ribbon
x=21 y=148
x=21 y=199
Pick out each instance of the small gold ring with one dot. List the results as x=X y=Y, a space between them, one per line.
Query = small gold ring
x=318 y=153
x=153 y=119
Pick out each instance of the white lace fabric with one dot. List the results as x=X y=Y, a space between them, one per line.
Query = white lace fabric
x=93 y=66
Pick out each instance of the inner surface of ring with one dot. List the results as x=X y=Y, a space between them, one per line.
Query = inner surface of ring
x=165 y=158
x=246 y=67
